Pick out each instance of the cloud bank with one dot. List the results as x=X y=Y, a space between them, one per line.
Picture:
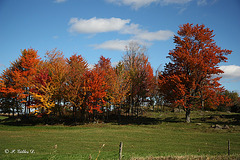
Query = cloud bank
x=112 y=45
x=153 y=36
x=122 y=26
x=231 y=72
x=118 y=44
x=95 y=25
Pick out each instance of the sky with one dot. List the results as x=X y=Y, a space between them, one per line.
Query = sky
x=104 y=27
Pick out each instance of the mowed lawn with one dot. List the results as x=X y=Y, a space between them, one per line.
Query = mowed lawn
x=168 y=137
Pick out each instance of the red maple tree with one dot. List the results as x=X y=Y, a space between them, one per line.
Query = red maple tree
x=19 y=76
x=190 y=77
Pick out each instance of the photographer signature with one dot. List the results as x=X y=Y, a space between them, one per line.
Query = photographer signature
x=19 y=151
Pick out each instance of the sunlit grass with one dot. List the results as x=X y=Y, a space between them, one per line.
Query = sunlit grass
x=169 y=137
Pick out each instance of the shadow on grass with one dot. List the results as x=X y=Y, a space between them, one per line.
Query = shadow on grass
x=32 y=121
x=173 y=120
x=222 y=119
x=144 y=120
x=126 y=120
x=69 y=121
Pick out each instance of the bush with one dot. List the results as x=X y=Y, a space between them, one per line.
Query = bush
x=235 y=108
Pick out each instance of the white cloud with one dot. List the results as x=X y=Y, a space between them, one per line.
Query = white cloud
x=91 y=66
x=122 y=26
x=112 y=45
x=202 y=2
x=118 y=44
x=140 y=34
x=168 y=2
x=231 y=72
x=114 y=64
x=182 y=9
x=131 y=29
x=60 y=1
x=136 y=4
x=152 y=36
x=95 y=25
x=55 y=37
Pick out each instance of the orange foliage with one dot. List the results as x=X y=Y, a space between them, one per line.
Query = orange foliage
x=189 y=79
x=75 y=87
x=19 y=77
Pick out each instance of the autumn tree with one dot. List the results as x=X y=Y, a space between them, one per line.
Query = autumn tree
x=156 y=97
x=49 y=83
x=11 y=93
x=19 y=76
x=121 y=85
x=76 y=91
x=57 y=66
x=97 y=88
x=43 y=91
x=189 y=79
x=232 y=103
x=104 y=66
x=28 y=69
x=141 y=74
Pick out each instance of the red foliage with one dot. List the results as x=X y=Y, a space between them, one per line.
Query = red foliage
x=189 y=78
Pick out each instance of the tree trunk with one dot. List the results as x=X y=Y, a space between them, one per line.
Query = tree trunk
x=18 y=112
x=137 y=110
x=25 y=109
x=119 y=113
x=83 y=117
x=202 y=104
x=188 y=120
x=74 y=114
x=13 y=112
x=17 y=108
x=59 y=108
x=29 y=100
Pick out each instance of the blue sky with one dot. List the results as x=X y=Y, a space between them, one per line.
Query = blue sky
x=103 y=27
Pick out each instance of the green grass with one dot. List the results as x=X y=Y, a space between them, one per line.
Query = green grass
x=3 y=117
x=169 y=136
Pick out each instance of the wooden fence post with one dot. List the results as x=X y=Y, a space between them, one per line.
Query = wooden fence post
x=120 y=150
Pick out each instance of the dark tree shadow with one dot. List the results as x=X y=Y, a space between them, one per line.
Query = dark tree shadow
x=173 y=120
x=223 y=119
x=24 y=120
x=126 y=120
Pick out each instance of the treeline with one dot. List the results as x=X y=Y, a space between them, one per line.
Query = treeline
x=63 y=86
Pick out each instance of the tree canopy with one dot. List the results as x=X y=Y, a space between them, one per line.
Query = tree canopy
x=190 y=77
x=63 y=86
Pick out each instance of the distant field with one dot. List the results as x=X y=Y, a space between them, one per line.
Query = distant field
x=167 y=136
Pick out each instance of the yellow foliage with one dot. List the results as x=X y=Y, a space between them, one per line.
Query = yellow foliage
x=46 y=97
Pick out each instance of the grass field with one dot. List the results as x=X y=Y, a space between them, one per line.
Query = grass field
x=160 y=134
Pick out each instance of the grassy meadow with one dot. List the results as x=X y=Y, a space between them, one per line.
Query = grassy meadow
x=156 y=134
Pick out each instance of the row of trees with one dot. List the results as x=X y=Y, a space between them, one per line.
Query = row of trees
x=58 y=85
